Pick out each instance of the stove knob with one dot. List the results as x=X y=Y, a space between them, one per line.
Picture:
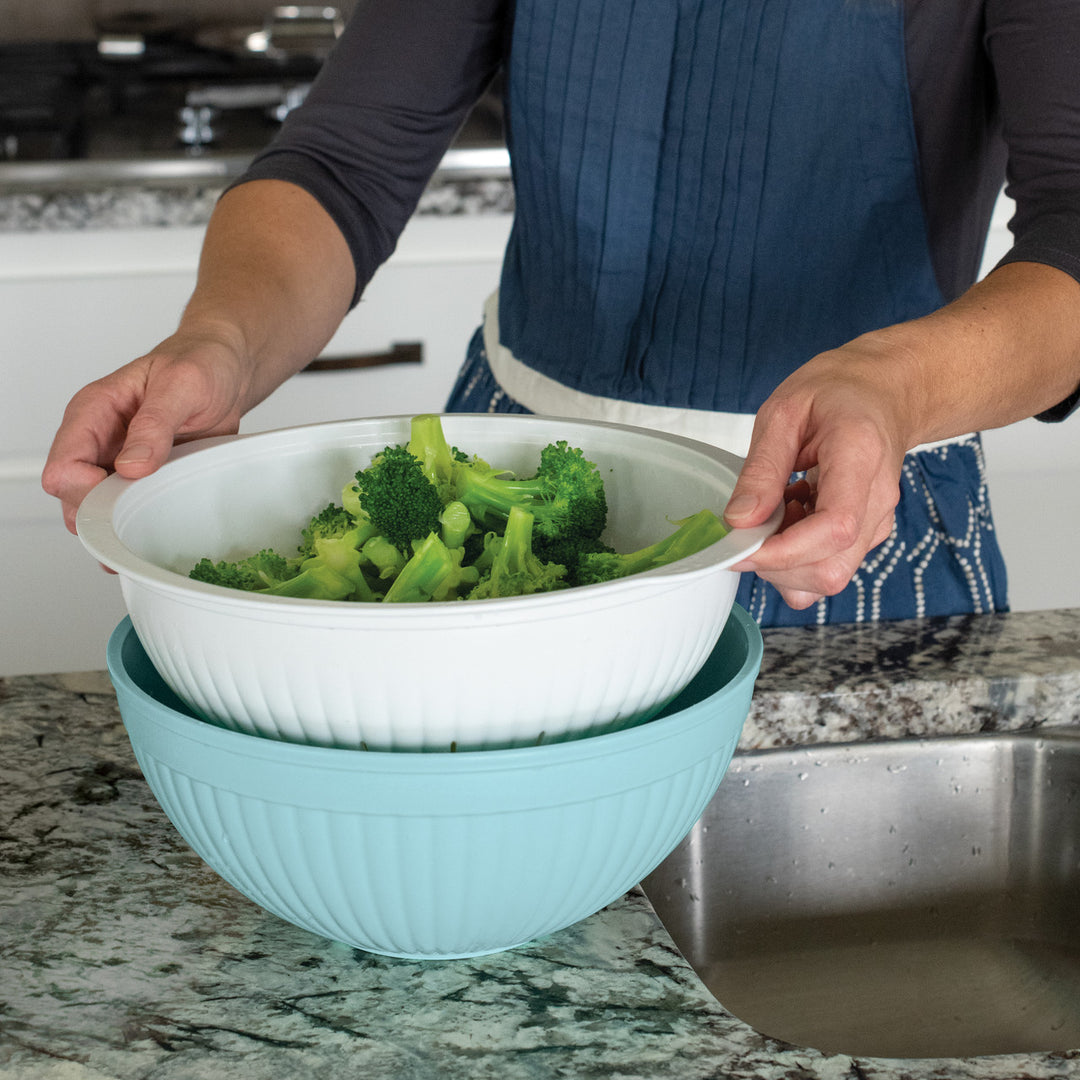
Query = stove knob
x=292 y=99
x=197 y=125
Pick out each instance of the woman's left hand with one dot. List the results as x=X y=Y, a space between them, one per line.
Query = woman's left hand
x=838 y=426
x=1007 y=349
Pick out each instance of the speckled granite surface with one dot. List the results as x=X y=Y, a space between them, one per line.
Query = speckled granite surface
x=130 y=206
x=930 y=677
x=125 y=957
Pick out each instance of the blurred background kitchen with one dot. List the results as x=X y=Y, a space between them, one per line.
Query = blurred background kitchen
x=121 y=121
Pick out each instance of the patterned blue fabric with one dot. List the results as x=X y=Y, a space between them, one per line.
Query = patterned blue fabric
x=941 y=559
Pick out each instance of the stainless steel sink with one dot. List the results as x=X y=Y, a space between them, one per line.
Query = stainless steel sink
x=915 y=898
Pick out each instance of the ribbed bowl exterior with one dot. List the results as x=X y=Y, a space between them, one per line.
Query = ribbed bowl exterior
x=438 y=855
x=336 y=688
x=431 y=887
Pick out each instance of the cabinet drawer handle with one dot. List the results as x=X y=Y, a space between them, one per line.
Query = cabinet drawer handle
x=401 y=352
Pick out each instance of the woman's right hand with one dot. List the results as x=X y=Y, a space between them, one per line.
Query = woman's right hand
x=194 y=384
x=276 y=278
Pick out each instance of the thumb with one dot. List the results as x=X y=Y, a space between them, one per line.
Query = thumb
x=758 y=491
x=150 y=435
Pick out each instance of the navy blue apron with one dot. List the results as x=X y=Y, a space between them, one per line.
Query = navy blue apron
x=710 y=192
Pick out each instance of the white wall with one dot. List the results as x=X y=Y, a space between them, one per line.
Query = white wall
x=1032 y=467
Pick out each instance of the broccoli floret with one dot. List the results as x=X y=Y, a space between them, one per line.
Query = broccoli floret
x=515 y=570
x=401 y=503
x=350 y=500
x=334 y=572
x=692 y=535
x=332 y=523
x=255 y=573
x=457 y=524
x=321 y=582
x=386 y=558
x=569 y=553
x=427 y=443
x=566 y=496
x=460 y=581
x=434 y=572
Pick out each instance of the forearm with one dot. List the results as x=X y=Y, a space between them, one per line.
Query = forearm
x=1007 y=349
x=275 y=279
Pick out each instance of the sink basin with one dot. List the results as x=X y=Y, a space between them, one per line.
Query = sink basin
x=913 y=898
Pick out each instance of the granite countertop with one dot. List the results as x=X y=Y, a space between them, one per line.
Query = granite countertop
x=93 y=201
x=125 y=957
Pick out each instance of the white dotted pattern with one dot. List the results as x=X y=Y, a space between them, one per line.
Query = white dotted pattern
x=965 y=549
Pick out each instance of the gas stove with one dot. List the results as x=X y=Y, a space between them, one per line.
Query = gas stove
x=176 y=101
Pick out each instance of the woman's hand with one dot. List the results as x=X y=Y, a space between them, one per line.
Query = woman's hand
x=275 y=279
x=190 y=386
x=1008 y=348
x=838 y=420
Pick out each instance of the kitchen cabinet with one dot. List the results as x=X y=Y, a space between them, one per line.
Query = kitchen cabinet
x=76 y=305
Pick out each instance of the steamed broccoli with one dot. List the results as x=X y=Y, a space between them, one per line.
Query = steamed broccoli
x=566 y=496
x=385 y=558
x=456 y=524
x=515 y=570
x=427 y=443
x=434 y=572
x=334 y=571
x=350 y=500
x=401 y=503
x=327 y=568
x=255 y=573
x=332 y=523
x=569 y=552
x=427 y=522
x=333 y=574
x=693 y=534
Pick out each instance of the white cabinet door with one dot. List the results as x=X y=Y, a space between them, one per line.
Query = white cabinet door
x=75 y=306
x=72 y=307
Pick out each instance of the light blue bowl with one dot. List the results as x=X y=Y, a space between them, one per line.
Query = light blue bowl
x=438 y=855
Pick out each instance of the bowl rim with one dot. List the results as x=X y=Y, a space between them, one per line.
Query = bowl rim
x=96 y=531
x=435 y=762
